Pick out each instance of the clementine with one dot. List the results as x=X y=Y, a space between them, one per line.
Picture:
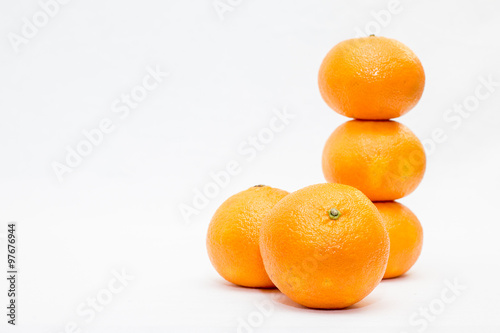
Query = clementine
x=233 y=236
x=405 y=234
x=383 y=159
x=325 y=246
x=371 y=78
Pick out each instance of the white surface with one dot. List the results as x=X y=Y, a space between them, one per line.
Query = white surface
x=120 y=208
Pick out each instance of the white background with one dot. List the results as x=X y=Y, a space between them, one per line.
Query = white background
x=119 y=209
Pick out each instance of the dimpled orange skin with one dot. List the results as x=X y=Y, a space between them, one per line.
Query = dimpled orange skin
x=371 y=78
x=233 y=236
x=383 y=159
x=319 y=262
x=405 y=234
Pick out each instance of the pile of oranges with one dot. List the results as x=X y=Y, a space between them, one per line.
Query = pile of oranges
x=329 y=245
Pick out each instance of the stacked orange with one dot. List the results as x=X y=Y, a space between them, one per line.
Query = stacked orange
x=374 y=79
x=329 y=245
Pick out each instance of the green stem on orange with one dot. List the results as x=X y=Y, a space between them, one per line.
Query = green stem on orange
x=334 y=214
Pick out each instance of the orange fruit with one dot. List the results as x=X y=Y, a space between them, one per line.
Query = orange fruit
x=325 y=246
x=233 y=236
x=371 y=78
x=405 y=234
x=383 y=159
